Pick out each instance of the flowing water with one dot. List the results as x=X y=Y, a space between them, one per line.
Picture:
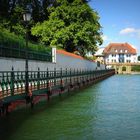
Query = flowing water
x=108 y=110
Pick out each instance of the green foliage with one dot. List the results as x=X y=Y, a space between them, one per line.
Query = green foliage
x=72 y=25
x=67 y=24
x=11 y=40
x=139 y=58
x=123 y=68
x=11 y=13
x=90 y=58
x=136 y=68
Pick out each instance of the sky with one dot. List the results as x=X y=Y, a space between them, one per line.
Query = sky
x=120 y=21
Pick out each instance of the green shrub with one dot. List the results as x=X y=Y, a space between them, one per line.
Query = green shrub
x=123 y=68
x=135 y=68
x=9 y=39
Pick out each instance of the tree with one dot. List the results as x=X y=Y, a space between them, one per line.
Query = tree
x=72 y=25
x=139 y=58
x=11 y=13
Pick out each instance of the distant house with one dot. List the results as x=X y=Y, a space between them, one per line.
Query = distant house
x=99 y=55
x=120 y=53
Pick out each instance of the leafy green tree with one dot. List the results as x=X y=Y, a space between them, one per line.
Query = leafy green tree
x=139 y=58
x=136 y=68
x=72 y=25
x=11 y=13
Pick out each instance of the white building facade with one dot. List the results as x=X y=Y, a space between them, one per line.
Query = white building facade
x=99 y=55
x=120 y=53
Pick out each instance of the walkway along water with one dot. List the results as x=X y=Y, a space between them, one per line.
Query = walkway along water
x=43 y=83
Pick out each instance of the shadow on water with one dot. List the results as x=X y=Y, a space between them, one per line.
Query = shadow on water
x=11 y=123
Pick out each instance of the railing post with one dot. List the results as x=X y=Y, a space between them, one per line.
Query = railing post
x=26 y=78
x=66 y=75
x=54 y=76
x=70 y=76
x=86 y=75
x=87 y=72
x=61 y=81
x=12 y=81
x=48 y=86
x=38 y=79
x=74 y=74
x=90 y=75
x=61 y=75
x=83 y=77
x=77 y=76
x=47 y=78
x=80 y=75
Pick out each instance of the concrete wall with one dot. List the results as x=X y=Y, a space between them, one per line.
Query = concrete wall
x=62 y=61
x=75 y=63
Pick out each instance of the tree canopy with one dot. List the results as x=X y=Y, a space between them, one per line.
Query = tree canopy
x=11 y=13
x=71 y=25
x=139 y=58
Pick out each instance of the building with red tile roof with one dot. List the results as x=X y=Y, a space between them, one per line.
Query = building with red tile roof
x=120 y=53
x=69 y=54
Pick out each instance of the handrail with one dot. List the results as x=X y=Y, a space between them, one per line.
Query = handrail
x=13 y=82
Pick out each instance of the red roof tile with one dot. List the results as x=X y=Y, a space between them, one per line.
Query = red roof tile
x=69 y=54
x=117 y=48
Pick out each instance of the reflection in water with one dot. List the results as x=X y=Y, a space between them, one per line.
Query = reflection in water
x=108 y=110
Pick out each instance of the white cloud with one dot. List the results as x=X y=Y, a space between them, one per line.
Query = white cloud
x=131 y=31
x=128 y=31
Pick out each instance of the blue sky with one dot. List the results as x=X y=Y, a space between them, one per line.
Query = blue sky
x=120 y=21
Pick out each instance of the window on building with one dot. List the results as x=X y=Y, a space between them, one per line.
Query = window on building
x=125 y=51
x=128 y=55
x=128 y=61
x=113 y=55
x=121 y=51
x=116 y=50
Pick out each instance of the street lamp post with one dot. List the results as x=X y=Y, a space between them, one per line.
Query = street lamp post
x=26 y=18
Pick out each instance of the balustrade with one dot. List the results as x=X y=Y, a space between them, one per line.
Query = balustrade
x=13 y=82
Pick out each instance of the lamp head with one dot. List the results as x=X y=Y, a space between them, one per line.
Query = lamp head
x=27 y=16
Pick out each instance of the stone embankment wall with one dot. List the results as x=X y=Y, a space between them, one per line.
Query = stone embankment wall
x=62 y=59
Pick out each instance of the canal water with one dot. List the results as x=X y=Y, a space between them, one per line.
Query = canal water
x=108 y=110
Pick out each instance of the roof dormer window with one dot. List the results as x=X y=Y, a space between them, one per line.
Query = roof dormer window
x=120 y=51
x=116 y=51
x=126 y=51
